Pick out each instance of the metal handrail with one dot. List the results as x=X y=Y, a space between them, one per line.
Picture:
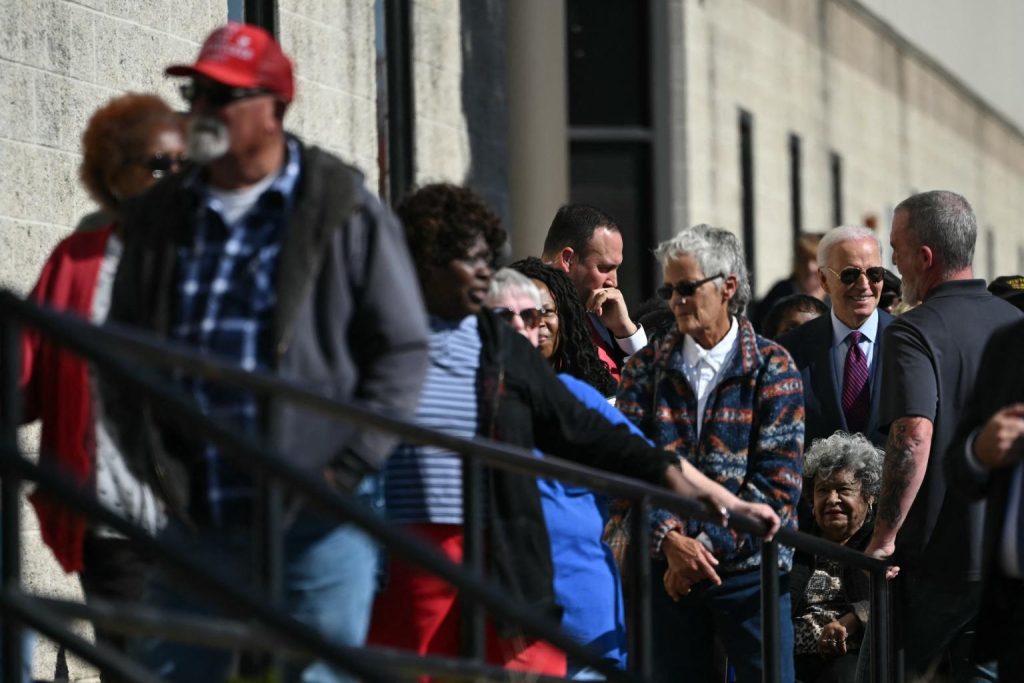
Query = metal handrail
x=96 y=343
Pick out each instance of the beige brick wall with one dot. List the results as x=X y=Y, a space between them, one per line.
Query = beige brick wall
x=829 y=73
x=59 y=61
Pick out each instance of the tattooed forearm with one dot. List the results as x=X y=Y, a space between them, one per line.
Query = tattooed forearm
x=905 y=452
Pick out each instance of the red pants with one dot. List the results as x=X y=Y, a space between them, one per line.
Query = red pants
x=419 y=612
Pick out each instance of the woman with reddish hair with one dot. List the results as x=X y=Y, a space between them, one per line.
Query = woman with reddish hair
x=129 y=144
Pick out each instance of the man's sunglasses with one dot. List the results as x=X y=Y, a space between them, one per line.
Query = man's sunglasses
x=162 y=164
x=685 y=287
x=216 y=94
x=850 y=275
x=531 y=317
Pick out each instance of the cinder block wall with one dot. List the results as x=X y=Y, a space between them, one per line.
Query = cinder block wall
x=840 y=80
x=60 y=60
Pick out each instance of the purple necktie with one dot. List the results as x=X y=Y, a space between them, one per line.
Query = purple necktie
x=856 y=393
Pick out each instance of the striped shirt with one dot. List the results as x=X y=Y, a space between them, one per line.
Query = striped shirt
x=423 y=484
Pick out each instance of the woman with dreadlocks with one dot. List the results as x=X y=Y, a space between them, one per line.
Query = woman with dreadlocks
x=564 y=336
x=587 y=582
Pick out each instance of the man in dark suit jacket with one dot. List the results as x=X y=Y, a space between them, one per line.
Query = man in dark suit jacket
x=837 y=392
x=985 y=461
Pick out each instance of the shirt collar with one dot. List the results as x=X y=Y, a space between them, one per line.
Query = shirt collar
x=840 y=331
x=715 y=357
x=284 y=184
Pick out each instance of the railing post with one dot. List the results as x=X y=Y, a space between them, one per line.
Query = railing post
x=10 y=489
x=270 y=549
x=641 y=633
x=770 y=644
x=880 y=629
x=472 y=614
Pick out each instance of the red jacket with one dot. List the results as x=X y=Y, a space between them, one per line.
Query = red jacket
x=55 y=386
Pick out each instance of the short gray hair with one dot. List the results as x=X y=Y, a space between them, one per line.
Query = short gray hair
x=508 y=281
x=844 y=451
x=716 y=251
x=945 y=222
x=844 y=233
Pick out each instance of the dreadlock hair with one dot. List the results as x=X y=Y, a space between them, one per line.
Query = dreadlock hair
x=574 y=351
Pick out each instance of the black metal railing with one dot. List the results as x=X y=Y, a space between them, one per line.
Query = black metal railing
x=135 y=359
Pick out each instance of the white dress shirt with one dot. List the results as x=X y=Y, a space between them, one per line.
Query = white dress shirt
x=703 y=367
x=841 y=345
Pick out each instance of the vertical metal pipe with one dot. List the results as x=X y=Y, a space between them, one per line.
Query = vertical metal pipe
x=472 y=614
x=270 y=550
x=770 y=643
x=10 y=486
x=880 y=629
x=641 y=655
x=401 y=112
x=262 y=13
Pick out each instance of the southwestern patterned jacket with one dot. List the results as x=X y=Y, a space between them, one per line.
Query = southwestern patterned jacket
x=751 y=441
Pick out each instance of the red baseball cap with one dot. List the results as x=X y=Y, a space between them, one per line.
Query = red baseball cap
x=242 y=56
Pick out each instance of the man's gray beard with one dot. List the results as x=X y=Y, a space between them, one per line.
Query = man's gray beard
x=207 y=140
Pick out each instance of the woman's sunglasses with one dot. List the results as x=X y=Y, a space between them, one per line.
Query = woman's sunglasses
x=685 y=287
x=531 y=317
x=850 y=275
x=162 y=164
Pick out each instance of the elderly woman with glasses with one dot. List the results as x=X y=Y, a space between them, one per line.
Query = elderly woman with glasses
x=484 y=379
x=729 y=402
x=129 y=144
x=842 y=477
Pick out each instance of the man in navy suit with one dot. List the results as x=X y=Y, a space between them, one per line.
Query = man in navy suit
x=839 y=355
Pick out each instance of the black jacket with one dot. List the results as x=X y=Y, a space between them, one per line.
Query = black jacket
x=521 y=401
x=349 y=322
x=1000 y=383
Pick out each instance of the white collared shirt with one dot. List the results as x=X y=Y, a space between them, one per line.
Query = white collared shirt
x=840 y=344
x=703 y=367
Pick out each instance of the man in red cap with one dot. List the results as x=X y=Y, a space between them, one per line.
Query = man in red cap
x=274 y=255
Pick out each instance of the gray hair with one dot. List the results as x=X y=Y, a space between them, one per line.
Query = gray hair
x=843 y=451
x=716 y=251
x=844 y=233
x=943 y=221
x=508 y=281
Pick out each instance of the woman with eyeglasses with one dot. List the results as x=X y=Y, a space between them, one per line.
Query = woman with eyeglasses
x=128 y=145
x=587 y=582
x=729 y=402
x=486 y=380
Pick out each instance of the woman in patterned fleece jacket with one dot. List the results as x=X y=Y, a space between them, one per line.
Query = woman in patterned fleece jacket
x=730 y=402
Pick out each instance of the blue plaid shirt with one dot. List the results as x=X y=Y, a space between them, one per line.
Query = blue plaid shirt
x=226 y=297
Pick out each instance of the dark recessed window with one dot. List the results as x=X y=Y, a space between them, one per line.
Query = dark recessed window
x=747 y=191
x=615 y=177
x=835 y=163
x=795 y=185
x=608 y=62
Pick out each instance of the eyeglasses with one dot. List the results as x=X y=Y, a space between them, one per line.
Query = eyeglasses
x=685 y=287
x=850 y=275
x=162 y=164
x=531 y=317
x=216 y=94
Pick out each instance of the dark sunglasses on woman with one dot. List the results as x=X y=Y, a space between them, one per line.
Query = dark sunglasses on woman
x=531 y=317
x=162 y=164
x=685 y=288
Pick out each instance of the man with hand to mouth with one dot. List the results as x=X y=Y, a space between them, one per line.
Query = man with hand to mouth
x=585 y=243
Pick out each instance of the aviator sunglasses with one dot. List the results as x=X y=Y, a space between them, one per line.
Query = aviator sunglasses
x=216 y=94
x=850 y=275
x=531 y=317
x=685 y=287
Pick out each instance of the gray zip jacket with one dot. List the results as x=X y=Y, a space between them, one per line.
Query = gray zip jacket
x=349 y=323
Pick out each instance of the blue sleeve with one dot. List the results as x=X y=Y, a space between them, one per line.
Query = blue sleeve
x=592 y=399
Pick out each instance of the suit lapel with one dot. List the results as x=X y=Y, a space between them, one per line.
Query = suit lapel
x=824 y=374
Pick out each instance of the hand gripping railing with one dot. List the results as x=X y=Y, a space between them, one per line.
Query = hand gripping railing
x=108 y=348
